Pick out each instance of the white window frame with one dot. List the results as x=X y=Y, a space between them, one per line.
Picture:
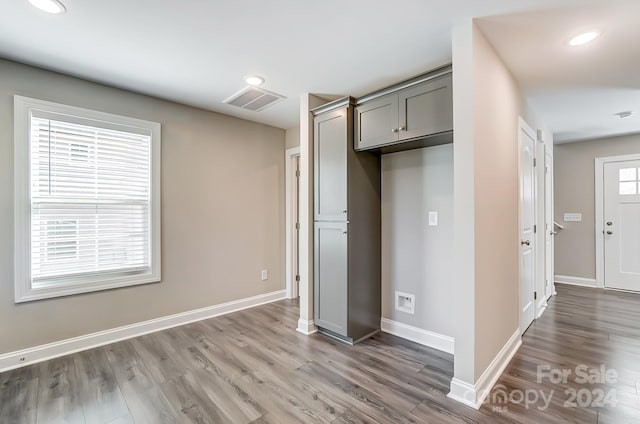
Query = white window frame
x=24 y=290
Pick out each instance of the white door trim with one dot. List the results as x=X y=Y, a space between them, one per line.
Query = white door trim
x=599 y=208
x=290 y=197
x=550 y=289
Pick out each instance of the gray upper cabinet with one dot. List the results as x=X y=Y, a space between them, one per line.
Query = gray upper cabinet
x=330 y=195
x=377 y=122
x=426 y=109
x=420 y=110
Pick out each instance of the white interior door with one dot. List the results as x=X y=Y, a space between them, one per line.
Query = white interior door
x=550 y=231
x=527 y=222
x=621 y=230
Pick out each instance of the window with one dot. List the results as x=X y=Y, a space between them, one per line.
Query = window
x=629 y=181
x=87 y=200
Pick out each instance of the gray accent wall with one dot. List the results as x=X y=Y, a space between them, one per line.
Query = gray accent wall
x=574 y=173
x=418 y=258
x=222 y=212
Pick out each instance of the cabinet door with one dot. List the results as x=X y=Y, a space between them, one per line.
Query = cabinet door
x=331 y=276
x=426 y=108
x=330 y=173
x=377 y=122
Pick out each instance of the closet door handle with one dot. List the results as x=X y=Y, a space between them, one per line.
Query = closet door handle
x=394 y=130
x=402 y=128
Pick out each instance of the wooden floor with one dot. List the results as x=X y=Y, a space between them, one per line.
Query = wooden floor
x=252 y=366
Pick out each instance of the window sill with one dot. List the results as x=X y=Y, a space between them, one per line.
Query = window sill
x=60 y=290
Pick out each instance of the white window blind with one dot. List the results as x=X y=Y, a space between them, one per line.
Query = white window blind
x=90 y=201
x=87 y=200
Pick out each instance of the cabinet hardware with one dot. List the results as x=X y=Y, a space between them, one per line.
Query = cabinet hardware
x=402 y=128
x=394 y=130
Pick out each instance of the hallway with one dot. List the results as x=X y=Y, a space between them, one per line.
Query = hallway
x=595 y=330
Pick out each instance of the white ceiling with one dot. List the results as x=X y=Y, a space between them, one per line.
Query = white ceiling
x=197 y=51
x=575 y=90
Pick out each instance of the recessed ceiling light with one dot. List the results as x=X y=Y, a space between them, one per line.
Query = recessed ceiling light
x=625 y=114
x=253 y=80
x=585 y=38
x=49 y=6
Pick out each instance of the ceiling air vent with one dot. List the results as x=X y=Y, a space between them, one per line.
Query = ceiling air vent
x=254 y=98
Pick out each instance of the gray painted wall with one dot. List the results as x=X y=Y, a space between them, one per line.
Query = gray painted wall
x=292 y=137
x=417 y=258
x=574 y=173
x=222 y=212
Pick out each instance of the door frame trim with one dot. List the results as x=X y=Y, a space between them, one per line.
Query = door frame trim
x=290 y=176
x=599 y=209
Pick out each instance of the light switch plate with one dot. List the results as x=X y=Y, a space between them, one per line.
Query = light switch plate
x=572 y=217
x=433 y=218
x=265 y=275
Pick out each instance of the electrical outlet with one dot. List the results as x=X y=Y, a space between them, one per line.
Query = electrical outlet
x=265 y=275
x=405 y=302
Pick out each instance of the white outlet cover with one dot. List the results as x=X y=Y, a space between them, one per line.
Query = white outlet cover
x=265 y=275
x=433 y=218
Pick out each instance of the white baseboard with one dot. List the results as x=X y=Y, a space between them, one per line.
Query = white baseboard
x=418 y=335
x=473 y=395
x=44 y=352
x=575 y=281
x=306 y=327
x=463 y=392
x=541 y=309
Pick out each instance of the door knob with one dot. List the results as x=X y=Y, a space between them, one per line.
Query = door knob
x=525 y=243
x=402 y=128
x=609 y=223
x=394 y=130
x=609 y=232
x=553 y=233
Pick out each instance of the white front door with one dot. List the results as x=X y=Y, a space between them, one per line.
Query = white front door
x=621 y=230
x=527 y=222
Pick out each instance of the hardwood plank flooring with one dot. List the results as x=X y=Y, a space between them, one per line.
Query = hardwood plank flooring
x=253 y=367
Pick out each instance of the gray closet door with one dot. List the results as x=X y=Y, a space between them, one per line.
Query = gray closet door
x=331 y=276
x=377 y=122
x=330 y=173
x=426 y=108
